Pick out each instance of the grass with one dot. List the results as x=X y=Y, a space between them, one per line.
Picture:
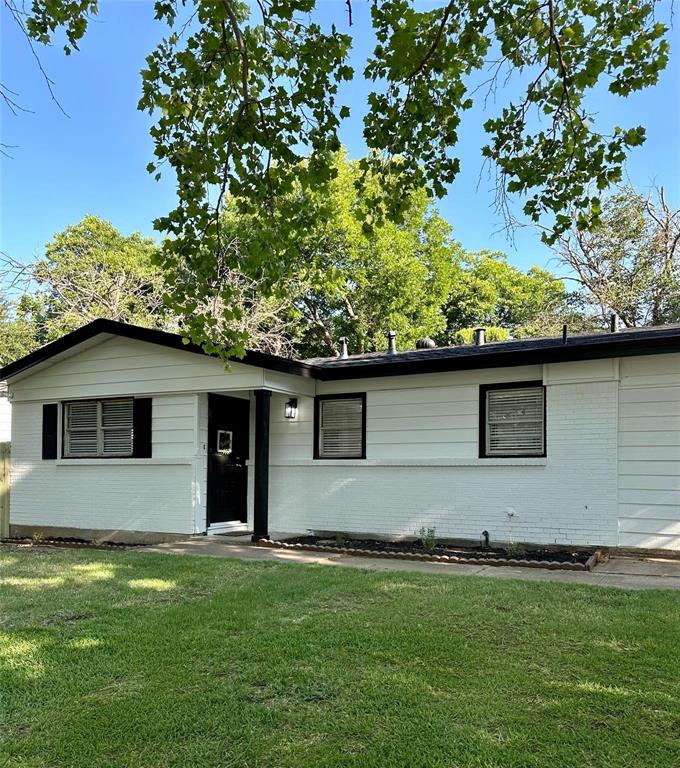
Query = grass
x=139 y=660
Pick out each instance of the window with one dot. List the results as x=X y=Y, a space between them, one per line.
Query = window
x=340 y=427
x=101 y=428
x=512 y=420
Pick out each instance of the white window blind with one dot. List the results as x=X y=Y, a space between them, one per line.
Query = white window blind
x=98 y=428
x=341 y=428
x=514 y=421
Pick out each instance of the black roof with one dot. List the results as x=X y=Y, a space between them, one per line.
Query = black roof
x=163 y=338
x=647 y=340
x=631 y=341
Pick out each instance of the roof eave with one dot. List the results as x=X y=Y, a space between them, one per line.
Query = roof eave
x=594 y=348
x=150 y=335
x=559 y=353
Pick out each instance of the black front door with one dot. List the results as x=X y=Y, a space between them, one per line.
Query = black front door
x=228 y=427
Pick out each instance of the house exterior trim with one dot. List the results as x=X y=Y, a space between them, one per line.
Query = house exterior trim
x=150 y=335
x=628 y=343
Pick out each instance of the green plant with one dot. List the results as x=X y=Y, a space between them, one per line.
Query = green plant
x=248 y=98
x=515 y=549
x=428 y=538
x=340 y=539
x=492 y=333
x=37 y=537
x=96 y=624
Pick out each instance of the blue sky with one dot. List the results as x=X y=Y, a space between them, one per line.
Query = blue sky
x=94 y=160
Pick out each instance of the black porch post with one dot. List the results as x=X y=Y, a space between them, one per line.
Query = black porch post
x=261 y=516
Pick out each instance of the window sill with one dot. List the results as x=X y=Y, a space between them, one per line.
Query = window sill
x=117 y=462
x=520 y=461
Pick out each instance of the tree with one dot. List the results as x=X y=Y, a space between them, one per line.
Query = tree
x=256 y=317
x=487 y=291
x=411 y=278
x=244 y=93
x=17 y=334
x=631 y=262
x=91 y=270
x=357 y=283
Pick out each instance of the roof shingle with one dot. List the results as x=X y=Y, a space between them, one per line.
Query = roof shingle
x=630 y=341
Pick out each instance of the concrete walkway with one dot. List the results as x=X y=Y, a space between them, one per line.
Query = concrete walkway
x=621 y=572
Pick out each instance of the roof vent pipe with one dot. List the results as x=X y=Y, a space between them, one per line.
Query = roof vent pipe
x=391 y=337
x=480 y=336
x=613 y=323
x=344 y=354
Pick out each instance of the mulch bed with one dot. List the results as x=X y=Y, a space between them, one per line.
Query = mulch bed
x=67 y=542
x=563 y=559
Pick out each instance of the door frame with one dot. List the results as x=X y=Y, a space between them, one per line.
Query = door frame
x=226 y=525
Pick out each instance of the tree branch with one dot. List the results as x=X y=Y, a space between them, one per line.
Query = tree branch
x=348 y=3
x=15 y=13
x=241 y=46
x=435 y=42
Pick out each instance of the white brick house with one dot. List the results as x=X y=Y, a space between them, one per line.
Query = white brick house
x=118 y=428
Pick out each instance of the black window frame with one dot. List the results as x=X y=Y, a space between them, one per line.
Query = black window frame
x=65 y=403
x=317 y=423
x=483 y=390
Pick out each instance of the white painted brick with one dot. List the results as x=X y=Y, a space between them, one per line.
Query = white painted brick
x=462 y=501
x=604 y=434
x=134 y=496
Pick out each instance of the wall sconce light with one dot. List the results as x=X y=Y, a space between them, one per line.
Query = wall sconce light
x=291 y=408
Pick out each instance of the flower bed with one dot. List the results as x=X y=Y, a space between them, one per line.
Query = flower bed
x=68 y=541
x=563 y=559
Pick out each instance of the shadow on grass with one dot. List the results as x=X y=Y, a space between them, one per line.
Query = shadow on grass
x=146 y=660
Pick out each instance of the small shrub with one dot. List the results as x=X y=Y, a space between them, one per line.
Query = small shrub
x=37 y=537
x=492 y=333
x=515 y=549
x=428 y=538
x=340 y=540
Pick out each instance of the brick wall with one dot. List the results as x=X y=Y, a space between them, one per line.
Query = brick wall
x=568 y=498
x=121 y=494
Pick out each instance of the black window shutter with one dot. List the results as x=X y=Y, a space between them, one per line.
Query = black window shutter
x=141 y=421
x=50 y=417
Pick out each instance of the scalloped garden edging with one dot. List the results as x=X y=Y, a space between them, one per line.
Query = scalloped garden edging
x=552 y=565
x=64 y=543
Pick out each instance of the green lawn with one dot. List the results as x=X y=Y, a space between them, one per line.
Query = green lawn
x=133 y=659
